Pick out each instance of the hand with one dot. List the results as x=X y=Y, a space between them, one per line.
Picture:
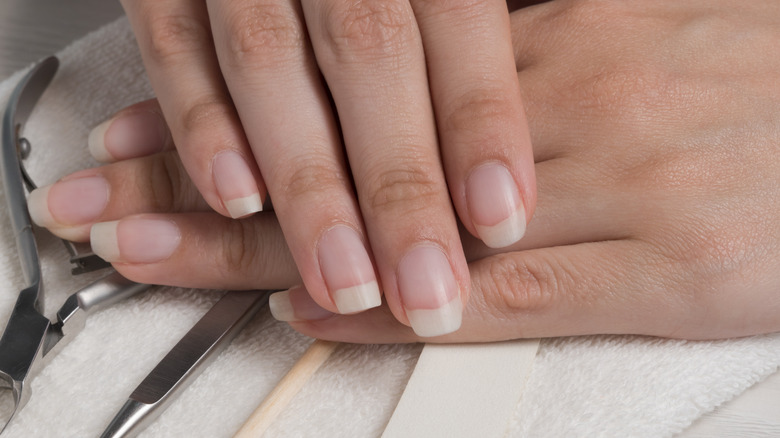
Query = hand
x=659 y=200
x=244 y=86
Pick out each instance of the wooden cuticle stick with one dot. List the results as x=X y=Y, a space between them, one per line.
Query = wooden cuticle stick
x=279 y=397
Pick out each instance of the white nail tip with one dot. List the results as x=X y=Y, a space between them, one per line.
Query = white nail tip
x=281 y=307
x=504 y=233
x=38 y=206
x=247 y=205
x=436 y=322
x=97 y=143
x=103 y=239
x=357 y=298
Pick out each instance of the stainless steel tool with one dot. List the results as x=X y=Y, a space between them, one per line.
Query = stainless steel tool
x=30 y=339
x=185 y=361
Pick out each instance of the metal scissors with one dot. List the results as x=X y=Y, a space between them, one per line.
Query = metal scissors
x=31 y=339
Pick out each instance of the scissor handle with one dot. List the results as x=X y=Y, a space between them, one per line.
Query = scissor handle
x=20 y=105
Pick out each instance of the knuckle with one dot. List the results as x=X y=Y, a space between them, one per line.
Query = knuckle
x=373 y=28
x=173 y=35
x=241 y=249
x=463 y=9
x=480 y=111
x=206 y=114
x=407 y=187
x=167 y=186
x=515 y=286
x=312 y=177
x=162 y=183
x=712 y=253
x=262 y=33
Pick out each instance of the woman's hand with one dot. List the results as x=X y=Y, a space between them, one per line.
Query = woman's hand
x=656 y=129
x=429 y=115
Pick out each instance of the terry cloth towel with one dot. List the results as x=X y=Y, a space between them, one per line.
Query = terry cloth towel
x=611 y=386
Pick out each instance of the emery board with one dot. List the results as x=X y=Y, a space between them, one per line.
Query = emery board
x=463 y=390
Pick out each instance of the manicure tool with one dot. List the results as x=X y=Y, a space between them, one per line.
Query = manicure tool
x=264 y=415
x=185 y=361
x=30 y=339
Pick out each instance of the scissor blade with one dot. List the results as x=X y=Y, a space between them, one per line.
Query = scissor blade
x=185 y=361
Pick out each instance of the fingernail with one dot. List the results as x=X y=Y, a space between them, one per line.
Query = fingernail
x=69 y=202
x=295 y=304
x=495 y=205
x=348 y=271
x=135 y=240
x=236 y=184
x=429 y=292
x=128 y=135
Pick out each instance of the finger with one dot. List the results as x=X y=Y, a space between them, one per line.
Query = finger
x=175 y=41
x=136 y=131
x=599 y=287
x=264 y=52
x=372 y=58
x=158 y=183
x=203 y=250
x=482 y=128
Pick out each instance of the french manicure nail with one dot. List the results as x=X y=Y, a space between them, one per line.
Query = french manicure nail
x=236 y=184
x=135 y=240
x=295 y=304
x=429 y=292
x=128 y=135
x=347 y=270
x=495 y=205
x=69 y=202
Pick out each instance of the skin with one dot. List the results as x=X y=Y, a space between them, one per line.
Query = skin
x=656 y=136
x=390 y=160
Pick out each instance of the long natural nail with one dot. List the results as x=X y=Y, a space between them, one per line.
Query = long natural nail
x=236 y=184
x=495 y=205
x=348 y=271
x=429 y=292
x=135 y=240
x=295 y=304
x=69 y=202
x=128 y=135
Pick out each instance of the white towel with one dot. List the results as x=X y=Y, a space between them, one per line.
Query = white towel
x=613 y=386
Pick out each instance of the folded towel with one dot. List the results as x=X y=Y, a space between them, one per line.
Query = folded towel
x=587 y=386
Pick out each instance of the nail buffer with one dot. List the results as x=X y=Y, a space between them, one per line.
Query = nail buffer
x=185 y=361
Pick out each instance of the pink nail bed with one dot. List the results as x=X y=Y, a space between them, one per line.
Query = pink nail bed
x=347 y=270
x=135 y=240
x=495 y=206
x=429 y=292
x=134 y=134
x=70 y=202
x=236 y=184
x=295 y=304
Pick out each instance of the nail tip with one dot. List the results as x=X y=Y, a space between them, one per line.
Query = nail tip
x=103 y=240
x=37 y=206
x=504 y=233
x=437 y=322
x=242 y=207
x=280 y=306
x=357 y=298
x=97 y=144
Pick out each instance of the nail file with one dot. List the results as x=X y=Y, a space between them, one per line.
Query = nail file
x=463 y=390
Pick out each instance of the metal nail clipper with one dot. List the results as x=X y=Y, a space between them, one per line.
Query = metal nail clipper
x=31 y=339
